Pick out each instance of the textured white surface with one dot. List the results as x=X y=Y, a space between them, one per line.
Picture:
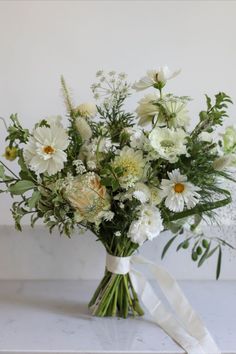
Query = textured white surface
x=52 y=317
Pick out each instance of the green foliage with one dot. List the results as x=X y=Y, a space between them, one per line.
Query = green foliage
x=21 y=187
x=214 y=114
x=16 y=133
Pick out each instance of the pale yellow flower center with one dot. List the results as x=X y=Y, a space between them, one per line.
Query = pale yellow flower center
x=130 y=167
x=49 y=150
x=179 y=188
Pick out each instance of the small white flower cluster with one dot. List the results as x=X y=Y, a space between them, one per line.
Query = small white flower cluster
x=79 y=167
x=110 y=87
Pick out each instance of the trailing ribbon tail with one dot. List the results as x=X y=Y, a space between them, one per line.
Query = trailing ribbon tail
x=187 y=329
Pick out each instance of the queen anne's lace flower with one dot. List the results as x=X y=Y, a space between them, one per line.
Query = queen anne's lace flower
x=178 y=192
x=148 y=226
x=44 y=152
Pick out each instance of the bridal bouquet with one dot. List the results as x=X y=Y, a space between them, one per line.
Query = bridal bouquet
x=125 y=176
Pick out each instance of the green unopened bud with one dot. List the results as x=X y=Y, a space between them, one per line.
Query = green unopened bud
x=203 y=115
x=199 y=250
x=10 y=153
x=194 y=256
x=205 y=243
x=185 y=244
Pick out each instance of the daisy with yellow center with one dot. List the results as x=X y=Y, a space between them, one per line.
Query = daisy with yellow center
x=44 y=152
x=178 y=192
x=132 y=164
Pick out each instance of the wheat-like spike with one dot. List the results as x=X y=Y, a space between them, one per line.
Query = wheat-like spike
x=4 y=121
x=66 y=96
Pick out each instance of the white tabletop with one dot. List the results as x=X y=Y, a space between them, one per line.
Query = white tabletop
x=52 y=317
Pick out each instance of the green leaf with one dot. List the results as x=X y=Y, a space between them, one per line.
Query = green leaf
x=169 y=243
x=218 y=268
x=205 y=255
x=2 y=172
x=21 y=187
x=32 y=202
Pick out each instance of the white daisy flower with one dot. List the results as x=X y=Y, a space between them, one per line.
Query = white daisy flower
x=44 y=152
x=178 y=192
x=168 y=143
x=153 y=77
x=147 y=226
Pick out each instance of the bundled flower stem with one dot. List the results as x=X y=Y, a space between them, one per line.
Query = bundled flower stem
x=115 y=296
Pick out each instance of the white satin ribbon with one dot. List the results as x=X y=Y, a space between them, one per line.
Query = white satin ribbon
x=186 y=328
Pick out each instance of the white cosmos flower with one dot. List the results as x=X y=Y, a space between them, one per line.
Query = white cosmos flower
x=153 y=77
x=146 y=109
x=178 y=192
x=168 y=143
x=148 y=226
x=44 y=152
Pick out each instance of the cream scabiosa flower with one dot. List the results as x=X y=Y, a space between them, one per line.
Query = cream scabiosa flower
x=147 y=226
x=44 y=152
x=178 y=192
x=153 y=77
x=87 y=110
x=132 y=165
x=168 y=143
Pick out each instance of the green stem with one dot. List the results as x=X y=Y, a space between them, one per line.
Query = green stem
x=9 y=170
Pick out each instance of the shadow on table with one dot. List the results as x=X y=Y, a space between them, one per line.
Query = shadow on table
x=69 y=308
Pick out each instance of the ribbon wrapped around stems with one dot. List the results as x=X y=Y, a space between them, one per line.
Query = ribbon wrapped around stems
x=184 y=326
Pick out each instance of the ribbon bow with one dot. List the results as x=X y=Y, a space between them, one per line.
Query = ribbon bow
x=185 y=327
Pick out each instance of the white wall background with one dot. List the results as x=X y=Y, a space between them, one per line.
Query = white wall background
x=39 y=40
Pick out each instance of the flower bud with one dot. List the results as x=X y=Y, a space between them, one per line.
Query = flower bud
x=83 y=128
x=10 y=153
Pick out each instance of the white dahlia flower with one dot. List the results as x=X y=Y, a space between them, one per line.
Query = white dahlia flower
x=178 y=192
x=132 y=164
x=169 y=144
x=161 y=75
x=44 y=152
x=147 y=226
